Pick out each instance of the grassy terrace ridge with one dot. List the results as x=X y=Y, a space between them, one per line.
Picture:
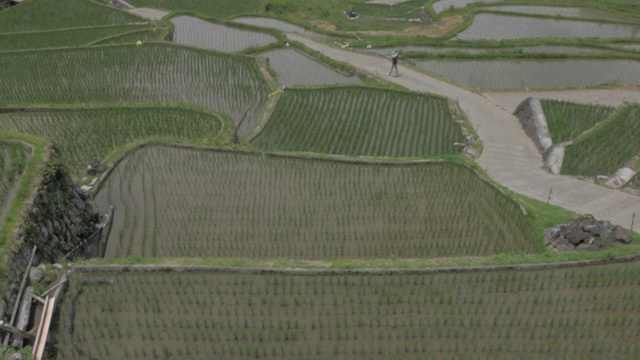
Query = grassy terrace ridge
x=568 y=120
x=607 y=147
x=253 y=205
x=25 y=190
x=235 y=315
x=13 y=159
x=40 y=15
x=82 y=133
x=360 y=121
x=152 y=73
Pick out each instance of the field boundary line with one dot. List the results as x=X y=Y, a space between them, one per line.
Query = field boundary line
x=365 y=271
x=75 y=28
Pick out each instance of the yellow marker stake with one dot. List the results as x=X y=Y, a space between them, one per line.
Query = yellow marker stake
x=138 y=43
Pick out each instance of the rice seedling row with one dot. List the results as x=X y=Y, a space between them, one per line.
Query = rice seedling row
x=295 y=68
x=608 y=147
x=195 y=32
x=41 y=15
x=62 y=38
x=585 y=313
x=547 y=74
x=130 y=74
x=206 y=203
x=145 y=36
x=503 y=27
x=567 y=120
x=82 y=134
x=361 y=121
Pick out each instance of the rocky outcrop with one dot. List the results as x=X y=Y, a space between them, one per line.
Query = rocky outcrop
x=57 y=221
x=586 y=233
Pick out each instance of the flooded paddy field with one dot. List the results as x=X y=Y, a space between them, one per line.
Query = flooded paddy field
x=295 y=68
x=203 y=34
x=577 y=12
x=530 y=74
x=502 y=27
x=440 y=6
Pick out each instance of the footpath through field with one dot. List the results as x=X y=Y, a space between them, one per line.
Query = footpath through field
x=509 y=156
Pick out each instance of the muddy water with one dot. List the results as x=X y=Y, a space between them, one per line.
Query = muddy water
x=295 y=68
x=500 y=27
x=583 y=13
x=499 y=75
x=195 y=32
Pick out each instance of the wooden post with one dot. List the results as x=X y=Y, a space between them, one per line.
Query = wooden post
x=19 y=297
x=43 y=329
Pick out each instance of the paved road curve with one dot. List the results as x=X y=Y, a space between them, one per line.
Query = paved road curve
x=509 y=156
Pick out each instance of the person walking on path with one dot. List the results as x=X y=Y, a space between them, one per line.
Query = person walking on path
x=394 y=62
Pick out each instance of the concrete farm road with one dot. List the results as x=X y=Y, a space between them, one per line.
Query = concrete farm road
x=509 y=156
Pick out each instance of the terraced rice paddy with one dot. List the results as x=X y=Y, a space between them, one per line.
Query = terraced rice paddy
x=443 y=5
x=274 y=24
x=36 y=15
x=130 y=74
x=567 y=121
x=529 y=74
x=13 y=159
x=63 y=38
x=577 y=12
x=82 y=134
x=425 y=49
x=220 y=9
x=186 y=203
x=502 y=27
x=196 y=32
x=360 y=121
x=608 y=147
x=293 y=67
x=130 y=38
x=583 y=313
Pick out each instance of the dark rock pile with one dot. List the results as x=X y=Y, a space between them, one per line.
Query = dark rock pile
x=586 y=233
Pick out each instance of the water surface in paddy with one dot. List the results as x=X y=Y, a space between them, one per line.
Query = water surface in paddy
x=578 y=12
x=443 y=5
x=502 y=27
x=549 y=74
x=195 y=32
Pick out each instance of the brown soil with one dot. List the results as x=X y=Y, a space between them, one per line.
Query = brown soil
x=434 y=30
x=324 y=25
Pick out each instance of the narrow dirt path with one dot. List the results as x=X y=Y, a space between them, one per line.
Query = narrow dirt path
x=509 y=156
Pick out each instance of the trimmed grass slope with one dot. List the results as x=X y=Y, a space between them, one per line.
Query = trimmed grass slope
x=129 y=74
x=84 y=133
x=608 y=147
x=186 y=203
x=220 y=9
x=567 y=120
x=361 y=121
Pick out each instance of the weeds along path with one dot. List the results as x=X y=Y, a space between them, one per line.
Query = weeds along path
x=509 y=156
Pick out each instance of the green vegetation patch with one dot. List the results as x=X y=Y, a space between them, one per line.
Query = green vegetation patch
x=567 y=120
x=62 y=38
x=595 y=311
x=220 y=9
x=608 y=147
x=82 y=134
x=129 y=74
x=13 y=159
x=173 y=202
x=361 y=121
x=39 y=15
